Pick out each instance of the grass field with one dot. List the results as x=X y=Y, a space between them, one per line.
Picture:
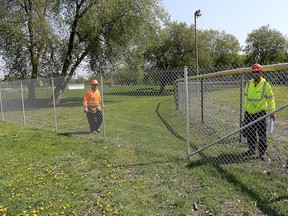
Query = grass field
x=136 y=172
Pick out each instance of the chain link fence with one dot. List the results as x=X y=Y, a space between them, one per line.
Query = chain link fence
x=138 y=112
x=214 y=106
x=149 y=113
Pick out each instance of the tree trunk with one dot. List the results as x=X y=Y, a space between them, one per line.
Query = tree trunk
x=60 y=84
x=31 y=89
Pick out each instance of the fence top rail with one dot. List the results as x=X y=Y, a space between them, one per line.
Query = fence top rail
x=273 y=67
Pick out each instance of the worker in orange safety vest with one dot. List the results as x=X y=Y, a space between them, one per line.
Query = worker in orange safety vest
x=92 y=107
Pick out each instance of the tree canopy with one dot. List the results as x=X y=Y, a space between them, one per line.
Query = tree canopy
x=266 y=46
x=67 y=32
x=53 y=38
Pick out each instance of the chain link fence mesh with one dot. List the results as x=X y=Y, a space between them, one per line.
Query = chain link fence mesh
x=145 y=113
x=216 y=114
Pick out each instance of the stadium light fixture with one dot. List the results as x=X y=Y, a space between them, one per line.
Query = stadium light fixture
x=196 y=15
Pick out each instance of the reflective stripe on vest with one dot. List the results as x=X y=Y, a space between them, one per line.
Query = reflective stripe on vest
x=262 y=94
x=90 y=102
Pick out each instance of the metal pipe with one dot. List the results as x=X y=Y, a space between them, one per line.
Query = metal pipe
x=241 y=107
x=22 y=100
x=196 y=15
x=187 y=109
x=240 y=129
x=54 y=106
x=103 y=109
x=1 y=103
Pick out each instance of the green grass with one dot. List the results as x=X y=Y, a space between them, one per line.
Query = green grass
x=140 y=170
x=231 y=98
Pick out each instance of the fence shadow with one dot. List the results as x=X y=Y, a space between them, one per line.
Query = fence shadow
x=263 y=204
x=32 y=104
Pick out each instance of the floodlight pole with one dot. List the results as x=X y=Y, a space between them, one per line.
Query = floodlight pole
x=196 y=15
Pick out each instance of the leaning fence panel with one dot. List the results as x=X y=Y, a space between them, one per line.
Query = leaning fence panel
x=216 y=110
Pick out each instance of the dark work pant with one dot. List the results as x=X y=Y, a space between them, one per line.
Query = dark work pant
x=259 y=129
x=95 y=120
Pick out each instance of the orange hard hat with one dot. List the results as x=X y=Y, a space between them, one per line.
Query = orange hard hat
x=256 y=67
x=94 y=82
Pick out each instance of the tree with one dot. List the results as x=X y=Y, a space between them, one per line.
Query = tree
x=98 y=28
x=24 y=34
x=90 y=30
x=172 y=47
x=218 y=48
x=266 y=46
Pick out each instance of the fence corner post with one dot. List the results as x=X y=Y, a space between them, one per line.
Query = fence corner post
x=187 y=109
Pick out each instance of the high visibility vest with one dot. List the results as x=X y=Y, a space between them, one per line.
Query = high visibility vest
x=92 y=99
x=256 y=99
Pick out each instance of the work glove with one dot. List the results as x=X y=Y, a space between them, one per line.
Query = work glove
x=85 y=110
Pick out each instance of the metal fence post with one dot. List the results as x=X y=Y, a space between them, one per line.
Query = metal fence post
x=54 y=105
x=187 y=110
x=241 y=107
x=103 y=109
x=1 y=103
x=22 y=100
x=202 y=101
x=176 y=100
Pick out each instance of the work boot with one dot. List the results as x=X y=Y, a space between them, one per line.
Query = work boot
x=264 y=157
x=250 y=152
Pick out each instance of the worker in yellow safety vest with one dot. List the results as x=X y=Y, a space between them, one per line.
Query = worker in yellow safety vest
x=257 y=98
x=92 y=107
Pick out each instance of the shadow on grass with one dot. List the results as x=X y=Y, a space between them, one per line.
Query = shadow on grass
x=223 y=159
x=16 y=105
x=76 y=133
x=262 y=203
x=281 y=198
x=97 y=138
x=173 y=132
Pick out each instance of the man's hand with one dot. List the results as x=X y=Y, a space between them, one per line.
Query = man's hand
x=273 y=116
x=85 y=110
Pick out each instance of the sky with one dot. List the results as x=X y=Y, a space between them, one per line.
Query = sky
x=236 y=17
